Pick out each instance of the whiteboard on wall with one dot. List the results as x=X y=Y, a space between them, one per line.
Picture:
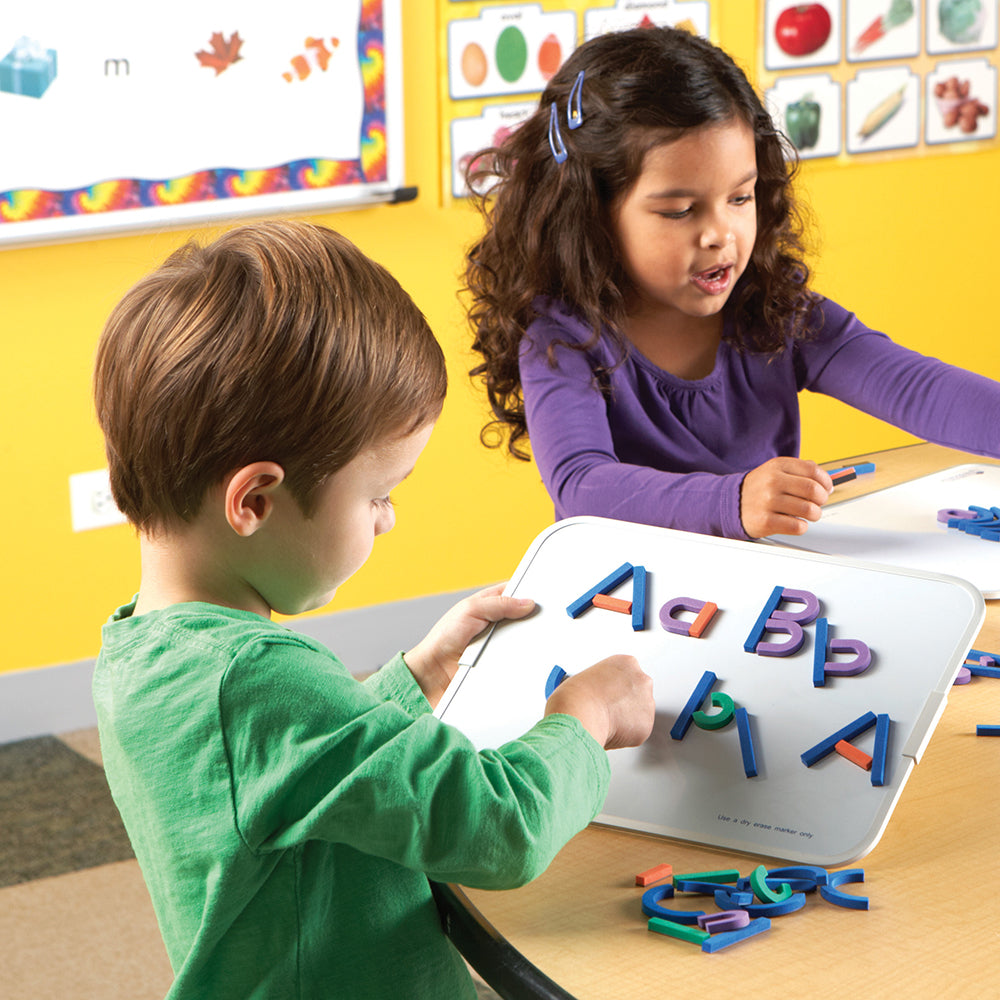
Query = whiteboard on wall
x=123 y=116
x=918 y=627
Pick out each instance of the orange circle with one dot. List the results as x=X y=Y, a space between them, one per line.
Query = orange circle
x=549 y=57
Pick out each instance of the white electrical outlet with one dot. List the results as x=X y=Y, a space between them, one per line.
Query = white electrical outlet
x=90 y=501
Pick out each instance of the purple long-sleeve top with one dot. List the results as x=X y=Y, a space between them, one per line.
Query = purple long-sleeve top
x=658 y=449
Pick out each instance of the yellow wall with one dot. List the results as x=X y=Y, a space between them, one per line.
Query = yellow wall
x=909 y=244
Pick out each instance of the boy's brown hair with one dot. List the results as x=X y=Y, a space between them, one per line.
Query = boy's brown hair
x=280 y=341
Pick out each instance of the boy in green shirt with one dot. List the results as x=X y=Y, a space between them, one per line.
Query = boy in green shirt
x=260 y=399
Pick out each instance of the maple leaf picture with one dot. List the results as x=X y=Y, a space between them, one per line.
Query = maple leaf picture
x=224 y=52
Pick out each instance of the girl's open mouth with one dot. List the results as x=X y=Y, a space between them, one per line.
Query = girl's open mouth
x=713 y=281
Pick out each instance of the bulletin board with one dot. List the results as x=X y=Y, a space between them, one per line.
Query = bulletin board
x=120 y=115
x=844 y=79
x=917 y=628
x=499 y=57
x=896 y=78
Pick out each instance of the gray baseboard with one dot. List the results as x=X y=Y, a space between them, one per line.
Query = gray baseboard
x=57 y=699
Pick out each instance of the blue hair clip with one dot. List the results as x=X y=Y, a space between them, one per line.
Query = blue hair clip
x=574 y=109
x=556 y=143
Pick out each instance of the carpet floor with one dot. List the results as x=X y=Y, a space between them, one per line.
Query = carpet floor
x=76 y=922
x=51 y=797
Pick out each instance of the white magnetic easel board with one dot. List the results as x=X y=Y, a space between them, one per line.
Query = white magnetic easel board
x=899 y=526
x=919 y=627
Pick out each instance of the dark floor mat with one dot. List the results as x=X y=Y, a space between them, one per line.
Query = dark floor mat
x=56 y=813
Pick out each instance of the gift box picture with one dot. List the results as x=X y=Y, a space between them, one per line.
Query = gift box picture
x=27 y=69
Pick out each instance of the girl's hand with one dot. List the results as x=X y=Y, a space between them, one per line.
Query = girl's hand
x=781 y=496
x=434 y=660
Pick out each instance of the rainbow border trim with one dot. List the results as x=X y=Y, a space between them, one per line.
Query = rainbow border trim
x=26 y=205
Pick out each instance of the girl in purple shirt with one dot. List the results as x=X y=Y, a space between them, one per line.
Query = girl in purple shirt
x=642 y=306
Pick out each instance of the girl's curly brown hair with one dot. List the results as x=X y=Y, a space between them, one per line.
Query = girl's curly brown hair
x=549 y=227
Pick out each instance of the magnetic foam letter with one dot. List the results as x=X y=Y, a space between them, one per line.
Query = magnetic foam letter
x=716 y=942
x=848 y=733
x=655 y=874
x=694 y=703
x=880 y=756
x=750 y=645
x=854 y=754
x=819 y=652
x=638 y=598
x=832 y=894
x=982 y=664
x=720 y=719
x=746 y=742
x=677 y=625
x=861 y=662
x=790 y=628
x=653 y=907
x=804 y=615
x=612 y=604
x=703 y=620
x=609 y=583
x=556 y=676
x=825 y=646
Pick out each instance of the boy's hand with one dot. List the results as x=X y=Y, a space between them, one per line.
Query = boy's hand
x=434 y=660
x=612 y=699
x=782 y=495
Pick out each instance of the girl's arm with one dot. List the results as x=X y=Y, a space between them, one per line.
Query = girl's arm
x=572 y=446
x=921 y=395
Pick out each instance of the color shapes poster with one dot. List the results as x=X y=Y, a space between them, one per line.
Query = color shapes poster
x=119 y=117
x=508 y=50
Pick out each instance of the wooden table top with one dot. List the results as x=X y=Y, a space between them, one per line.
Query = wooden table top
x=931 y=929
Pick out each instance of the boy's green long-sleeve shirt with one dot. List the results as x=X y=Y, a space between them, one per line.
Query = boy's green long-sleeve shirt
x=286 y=816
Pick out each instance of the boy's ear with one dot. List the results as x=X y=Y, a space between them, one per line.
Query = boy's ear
x=250 y=496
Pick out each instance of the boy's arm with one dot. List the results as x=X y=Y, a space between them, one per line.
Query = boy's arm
x=434 y=660
x=316 y=756
x=612 y=699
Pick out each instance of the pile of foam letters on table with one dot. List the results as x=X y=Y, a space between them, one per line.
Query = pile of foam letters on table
x=980 y=522
x=745 y=904
x=980 y=664
x=984 y=523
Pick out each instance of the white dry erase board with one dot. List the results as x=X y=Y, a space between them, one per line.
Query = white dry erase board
x=120 y=115
x=918 y=627
x=899 y=526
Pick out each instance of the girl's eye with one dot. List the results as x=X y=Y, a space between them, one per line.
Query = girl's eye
x=384 y=503
x=743 y=199
x=679 y=214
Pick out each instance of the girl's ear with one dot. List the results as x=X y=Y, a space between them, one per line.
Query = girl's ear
x=250 y=496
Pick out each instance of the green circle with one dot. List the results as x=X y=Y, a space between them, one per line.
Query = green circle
x=511 y=54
